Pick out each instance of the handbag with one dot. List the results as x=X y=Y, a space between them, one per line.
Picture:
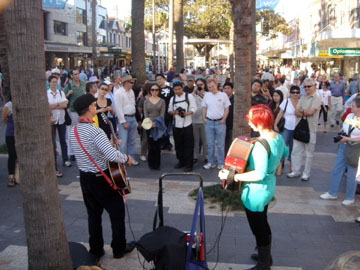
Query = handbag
x=302 y=131
x=67 y=118
x=281 y=123
x=352 y=151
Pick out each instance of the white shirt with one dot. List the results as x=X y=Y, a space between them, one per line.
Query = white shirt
x=58 y=97
x=124 y=103
x=180 y=101
x=356 y=132
x=284 y=90
x=215 y=104
x=290 y=117
x=324 y=95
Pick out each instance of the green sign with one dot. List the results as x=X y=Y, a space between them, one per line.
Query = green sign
x=344 y=51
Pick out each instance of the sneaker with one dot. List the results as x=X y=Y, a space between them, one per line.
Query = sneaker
x=331 y=125
x=67 y=163
x=179 y=165
x=357 y=220
x=220 y=167
x=348 y=202
x=135 y=162
x=327 y=196
x=293 y=175
x=304 y=177
x=209 y=166
x=72 y=158
x=143 y=158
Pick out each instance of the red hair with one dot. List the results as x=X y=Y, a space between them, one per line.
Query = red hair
x=261 y=115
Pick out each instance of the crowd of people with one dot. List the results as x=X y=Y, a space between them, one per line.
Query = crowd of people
x=197 y=112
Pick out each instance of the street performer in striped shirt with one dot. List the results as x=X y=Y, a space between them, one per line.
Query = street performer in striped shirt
x=97 y=193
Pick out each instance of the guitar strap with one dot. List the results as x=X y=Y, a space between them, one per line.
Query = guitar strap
x=108 y=180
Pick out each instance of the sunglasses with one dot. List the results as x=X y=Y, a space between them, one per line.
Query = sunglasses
x=308 y=86
x=105 y=89
x=295 y=92
x=154 y=89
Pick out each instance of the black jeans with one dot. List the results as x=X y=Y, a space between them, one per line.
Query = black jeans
x=10 y=144
x=61 y=132
x=98 y=195
x=184 y=145
x=154 y=152
x=324 y=109
x=259 y=226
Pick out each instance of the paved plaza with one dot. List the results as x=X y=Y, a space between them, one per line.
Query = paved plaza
x=308 y=233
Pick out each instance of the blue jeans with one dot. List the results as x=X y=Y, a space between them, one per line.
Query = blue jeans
x=215 y=134
x=289 y=140
x=128 y=136
x=338 y=172
x=62 y=132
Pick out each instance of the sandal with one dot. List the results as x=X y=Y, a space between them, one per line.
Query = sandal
x=12 y=181
x=59 y=174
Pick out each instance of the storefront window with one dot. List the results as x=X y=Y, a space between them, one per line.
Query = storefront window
x=80 y=36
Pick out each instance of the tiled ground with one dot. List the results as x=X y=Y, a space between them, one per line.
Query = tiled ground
x=308 y=233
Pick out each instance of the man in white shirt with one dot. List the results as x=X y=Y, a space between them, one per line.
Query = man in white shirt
x=125 y=111
x=215 y=111
x=283 y=88
x=182 y=105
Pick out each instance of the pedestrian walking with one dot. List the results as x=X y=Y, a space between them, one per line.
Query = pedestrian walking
x=337 y=89
x=325 y=96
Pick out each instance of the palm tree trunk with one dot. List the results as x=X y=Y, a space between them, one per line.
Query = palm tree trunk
x=171 y=34
x=4 y=62
x=94 y=36
x=44 y=226
x=245 y=61
x=138 y=41
x=179 y=29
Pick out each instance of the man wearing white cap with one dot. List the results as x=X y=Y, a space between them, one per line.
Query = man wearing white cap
x=125 y=111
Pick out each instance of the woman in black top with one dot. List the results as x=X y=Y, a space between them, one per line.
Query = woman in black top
x=276 y=101
x=103 y=105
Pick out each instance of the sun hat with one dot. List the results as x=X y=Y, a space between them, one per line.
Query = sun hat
x=147 y=123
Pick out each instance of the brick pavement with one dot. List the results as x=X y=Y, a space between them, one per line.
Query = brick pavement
x=308 y=233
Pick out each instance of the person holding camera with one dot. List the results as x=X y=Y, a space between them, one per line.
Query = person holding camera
x=182 y=106
x=198 y=122
x=347 y=137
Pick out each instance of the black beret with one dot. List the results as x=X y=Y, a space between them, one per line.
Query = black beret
x=83 y=102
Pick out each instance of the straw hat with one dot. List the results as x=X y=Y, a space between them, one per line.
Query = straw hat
x=147 y=123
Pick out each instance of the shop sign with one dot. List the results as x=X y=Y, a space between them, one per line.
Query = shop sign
x=325 y=54
x=344 y=51
x=59 y=4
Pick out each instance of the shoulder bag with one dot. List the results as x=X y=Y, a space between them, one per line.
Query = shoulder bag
x=352 y=151
x=302 y=131
x=67 y=116
x=281 y=123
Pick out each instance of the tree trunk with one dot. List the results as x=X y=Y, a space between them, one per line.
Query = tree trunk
x=4 y=61
x=179 y=29
x=245 y=61
x=44 y=226
x=154 y=68
x=171 y=34
x=94 y=36
x=138 y=41
x=231 y=54
x=208 y=49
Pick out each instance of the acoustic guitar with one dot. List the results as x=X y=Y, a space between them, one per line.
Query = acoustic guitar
x=237 y=157
x=117 y=170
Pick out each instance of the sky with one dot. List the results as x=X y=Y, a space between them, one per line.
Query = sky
x=117 y=8
x=122 y=8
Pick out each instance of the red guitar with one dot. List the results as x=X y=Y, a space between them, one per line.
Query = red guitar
x=117 y=170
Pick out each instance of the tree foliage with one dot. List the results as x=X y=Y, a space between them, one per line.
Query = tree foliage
x=207 y=18
x=272 y=23
x=161 y=14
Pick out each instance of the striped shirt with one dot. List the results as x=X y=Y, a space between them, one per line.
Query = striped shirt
x=97 y=145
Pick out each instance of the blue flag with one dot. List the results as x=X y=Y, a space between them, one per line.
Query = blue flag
x=266 y=4
x=60 y=4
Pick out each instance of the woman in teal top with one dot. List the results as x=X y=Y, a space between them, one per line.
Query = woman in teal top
x=260 y=180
